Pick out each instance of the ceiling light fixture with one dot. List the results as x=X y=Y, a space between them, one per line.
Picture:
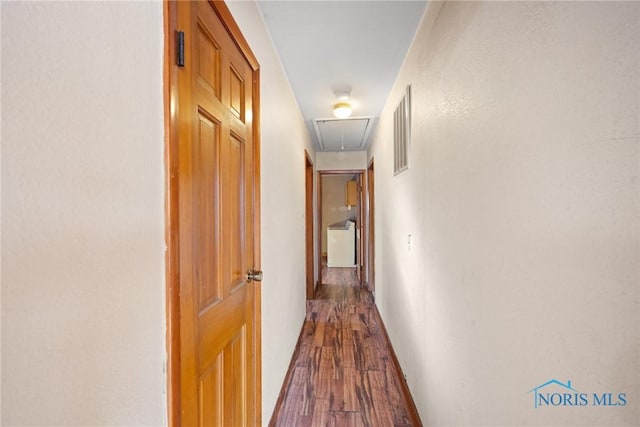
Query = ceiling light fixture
x=343 y=94
x=342 y=109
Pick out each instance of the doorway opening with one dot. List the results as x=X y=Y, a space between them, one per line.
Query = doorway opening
x=340 y=209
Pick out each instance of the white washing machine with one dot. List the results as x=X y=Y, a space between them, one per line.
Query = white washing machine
x=341 y=244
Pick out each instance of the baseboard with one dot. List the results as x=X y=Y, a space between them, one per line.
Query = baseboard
x=287 y=377
x=406 y=393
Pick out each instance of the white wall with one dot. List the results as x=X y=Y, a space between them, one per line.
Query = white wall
x=284 y=137
x=341 y=160
x=83 y=317
x=522 y=201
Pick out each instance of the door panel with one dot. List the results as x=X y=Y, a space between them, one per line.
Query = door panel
x=205 y=206
x=218 y=205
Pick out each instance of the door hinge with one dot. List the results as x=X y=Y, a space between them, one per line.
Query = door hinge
x=180 y=48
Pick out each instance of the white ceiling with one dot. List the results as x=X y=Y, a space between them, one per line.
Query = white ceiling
x=330 y=45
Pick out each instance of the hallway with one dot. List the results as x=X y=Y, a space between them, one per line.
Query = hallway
x=506 y=255
x=342 y=372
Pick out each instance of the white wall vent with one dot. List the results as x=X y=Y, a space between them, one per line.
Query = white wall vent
x=402 y=133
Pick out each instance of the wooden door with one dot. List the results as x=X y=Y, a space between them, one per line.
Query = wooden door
x=308 y=212
x=217 y=226
x=361 y=260
x=370 y=229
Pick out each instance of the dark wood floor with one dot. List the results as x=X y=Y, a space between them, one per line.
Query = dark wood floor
x=343 y=373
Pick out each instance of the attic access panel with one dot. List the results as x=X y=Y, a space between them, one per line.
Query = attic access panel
x=343 y=134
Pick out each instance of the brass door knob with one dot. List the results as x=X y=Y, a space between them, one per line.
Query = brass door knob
x=254 y=275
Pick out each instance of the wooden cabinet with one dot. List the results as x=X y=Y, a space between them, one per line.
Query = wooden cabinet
x=352 y=193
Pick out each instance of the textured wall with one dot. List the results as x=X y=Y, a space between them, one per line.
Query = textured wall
x=284 y=138
x=83 y=318
x=522 y=201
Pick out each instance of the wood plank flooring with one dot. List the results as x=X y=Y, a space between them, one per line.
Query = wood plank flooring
x=342 y=372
